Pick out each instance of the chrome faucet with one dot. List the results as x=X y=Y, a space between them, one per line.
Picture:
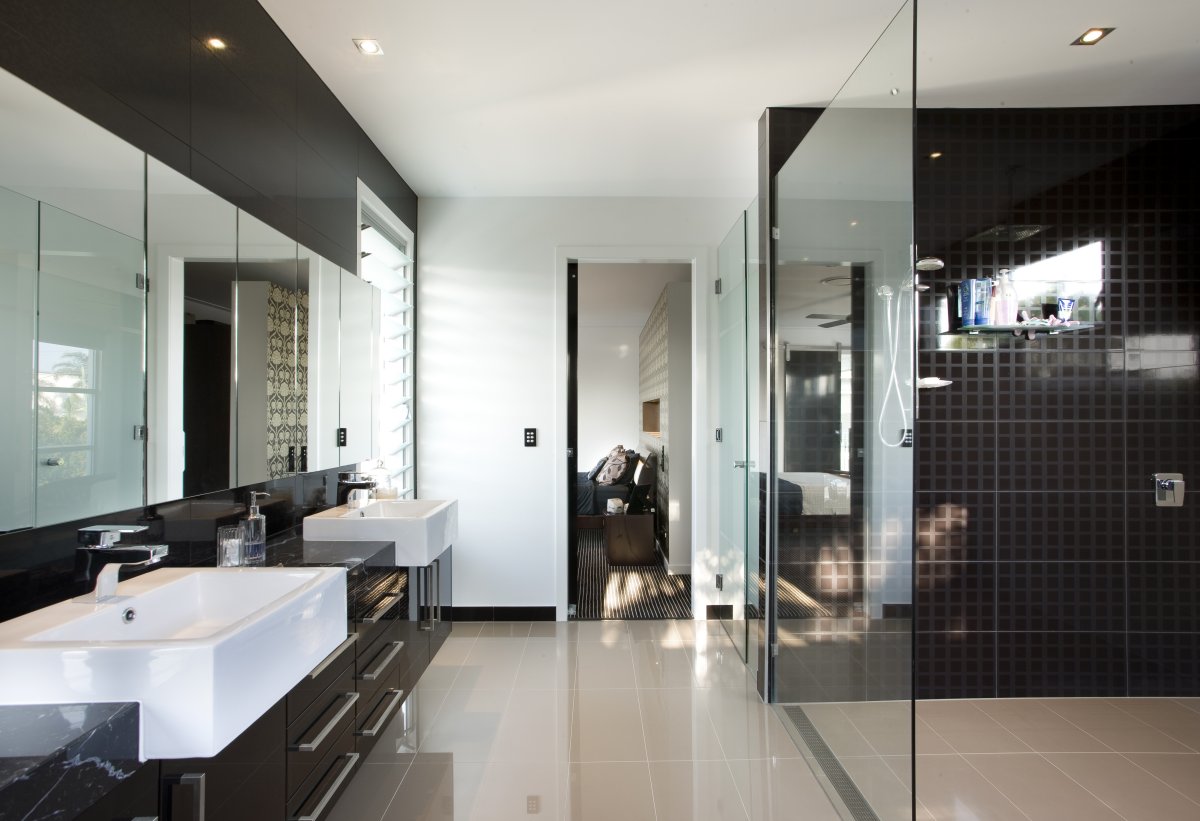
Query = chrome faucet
x=97 y=544
x=110 y=574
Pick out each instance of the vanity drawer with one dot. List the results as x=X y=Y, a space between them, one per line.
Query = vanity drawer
x=321 y=678
x=316 y=795
x=382 y=661
x=386 y=613
x=311 y=735
x=373 y=719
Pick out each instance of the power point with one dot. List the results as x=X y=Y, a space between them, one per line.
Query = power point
x=531 y=437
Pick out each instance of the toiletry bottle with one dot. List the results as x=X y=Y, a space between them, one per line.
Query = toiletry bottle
x=966 y=302
x=254 y=533
x=1010 y=302
x=983 y=296
x=995 y=309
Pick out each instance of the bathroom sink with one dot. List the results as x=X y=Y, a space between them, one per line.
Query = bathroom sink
x=206 y=651
x=421 y=528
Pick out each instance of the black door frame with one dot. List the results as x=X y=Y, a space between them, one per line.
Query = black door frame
x=572 y=432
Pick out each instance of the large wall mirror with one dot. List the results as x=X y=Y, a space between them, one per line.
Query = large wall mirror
x=233 y=367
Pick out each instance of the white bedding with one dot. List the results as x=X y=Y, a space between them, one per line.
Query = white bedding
x=825 y=494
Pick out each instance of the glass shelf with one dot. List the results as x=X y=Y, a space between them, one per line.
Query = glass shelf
x=973 y=330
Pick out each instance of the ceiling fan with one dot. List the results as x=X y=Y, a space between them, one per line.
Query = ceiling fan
x=838 y=319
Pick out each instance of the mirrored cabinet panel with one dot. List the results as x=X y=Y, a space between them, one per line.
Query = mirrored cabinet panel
x=192 y=257
x=156 y=343
x=268 y=310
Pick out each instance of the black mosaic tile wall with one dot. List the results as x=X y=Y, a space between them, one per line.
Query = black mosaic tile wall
x=1044 y=567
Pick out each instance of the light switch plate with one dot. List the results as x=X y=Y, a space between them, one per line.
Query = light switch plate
x=531 y=437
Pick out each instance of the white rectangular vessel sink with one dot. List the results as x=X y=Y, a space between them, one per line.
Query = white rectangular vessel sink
x=206 y=651
x=421 y=528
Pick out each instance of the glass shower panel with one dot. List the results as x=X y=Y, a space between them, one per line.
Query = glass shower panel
x=731 y=449
x=842 y=478
x=89 y=373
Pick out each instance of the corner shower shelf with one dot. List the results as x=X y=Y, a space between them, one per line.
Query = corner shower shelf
x=1008 y=329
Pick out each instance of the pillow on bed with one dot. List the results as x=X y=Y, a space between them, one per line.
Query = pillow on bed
x=615 y=465
x=594 y=472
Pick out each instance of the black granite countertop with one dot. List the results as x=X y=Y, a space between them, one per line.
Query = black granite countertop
x=296 y=551
x=56 y=760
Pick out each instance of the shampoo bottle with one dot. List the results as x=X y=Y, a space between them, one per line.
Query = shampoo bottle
x=254 y=533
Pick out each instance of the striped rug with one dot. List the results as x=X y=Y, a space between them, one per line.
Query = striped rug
x=616 y=592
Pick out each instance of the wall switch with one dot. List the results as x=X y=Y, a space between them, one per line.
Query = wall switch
x=720 y=581
x=533 y=804
x=341 y=437
x=531 y=437
x=906 y=440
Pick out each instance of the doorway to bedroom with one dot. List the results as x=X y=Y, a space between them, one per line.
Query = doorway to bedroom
x=629 y=340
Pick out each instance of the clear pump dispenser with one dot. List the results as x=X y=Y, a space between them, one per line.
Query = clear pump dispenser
x=254 y=533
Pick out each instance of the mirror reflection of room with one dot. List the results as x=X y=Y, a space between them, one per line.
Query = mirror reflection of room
x=634 y=440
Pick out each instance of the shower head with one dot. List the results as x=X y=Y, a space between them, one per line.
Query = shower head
x=930 y=264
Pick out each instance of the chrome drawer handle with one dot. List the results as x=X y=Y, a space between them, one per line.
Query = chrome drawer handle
x=351 y=760
x=397 y=697
x=311 y=746
x=397 y=646
x=324 y=665
x=373 y=619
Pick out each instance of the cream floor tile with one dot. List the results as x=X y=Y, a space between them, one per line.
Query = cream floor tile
x=837 y=730
x=467 y=724
x=535 y=727
x=547 y=629
x=695 y=791
x=514 y=629
x=747 y=728
x=1039 y=727
x=1042 y=792
x=662 y=631
x=902 y=766
x=887 y=725
x=1126 y=787
x=599 y=666
x=370 y=791
x=1113 y=726
x=929 y=742
x=610 y=633
x=466 y=629
x=607 y=791
x=440 y=677
x=968 y=729
x=1179 y=770
x=427 y=791
x=1166 y=716
x=409 y=726
x=502 y=791
x=720 y=667
x=606 y=725
x=888 y=796
x=546 y=664
x=774 y=789
x=952 y=790
x=454 y=650
x=657 y=666
x=677 y=726
x=491 y=664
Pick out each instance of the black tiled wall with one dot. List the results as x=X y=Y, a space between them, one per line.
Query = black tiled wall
x=253 y=123
x=1044 y=566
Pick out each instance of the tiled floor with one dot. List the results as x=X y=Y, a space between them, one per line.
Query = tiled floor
x=587 y=721
x=1059 y=759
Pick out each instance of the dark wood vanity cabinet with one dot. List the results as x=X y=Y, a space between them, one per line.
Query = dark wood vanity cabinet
x=135 y=797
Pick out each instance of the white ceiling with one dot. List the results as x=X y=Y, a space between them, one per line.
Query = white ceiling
x=662 y=98
x=622 y=294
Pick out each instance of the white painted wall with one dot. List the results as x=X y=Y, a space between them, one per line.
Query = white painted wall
x=491 y=360
x=609 y=411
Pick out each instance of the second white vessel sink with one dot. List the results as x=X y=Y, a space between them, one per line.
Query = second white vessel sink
x=421 y=528
x=206 y=651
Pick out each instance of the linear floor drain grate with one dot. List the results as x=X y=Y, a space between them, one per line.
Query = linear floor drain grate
x=846 y=789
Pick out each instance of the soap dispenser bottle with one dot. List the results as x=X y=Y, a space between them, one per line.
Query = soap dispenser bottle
x=254 y=533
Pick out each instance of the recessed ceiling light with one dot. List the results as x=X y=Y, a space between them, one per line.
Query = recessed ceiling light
x=215 y=43
x=371 y=48
x=842 y=280
x=934 y=155
x=853 y=223
x=1092 y=36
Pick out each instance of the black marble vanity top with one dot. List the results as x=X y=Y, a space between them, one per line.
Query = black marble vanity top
x=57 y=759
x=296 y=551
